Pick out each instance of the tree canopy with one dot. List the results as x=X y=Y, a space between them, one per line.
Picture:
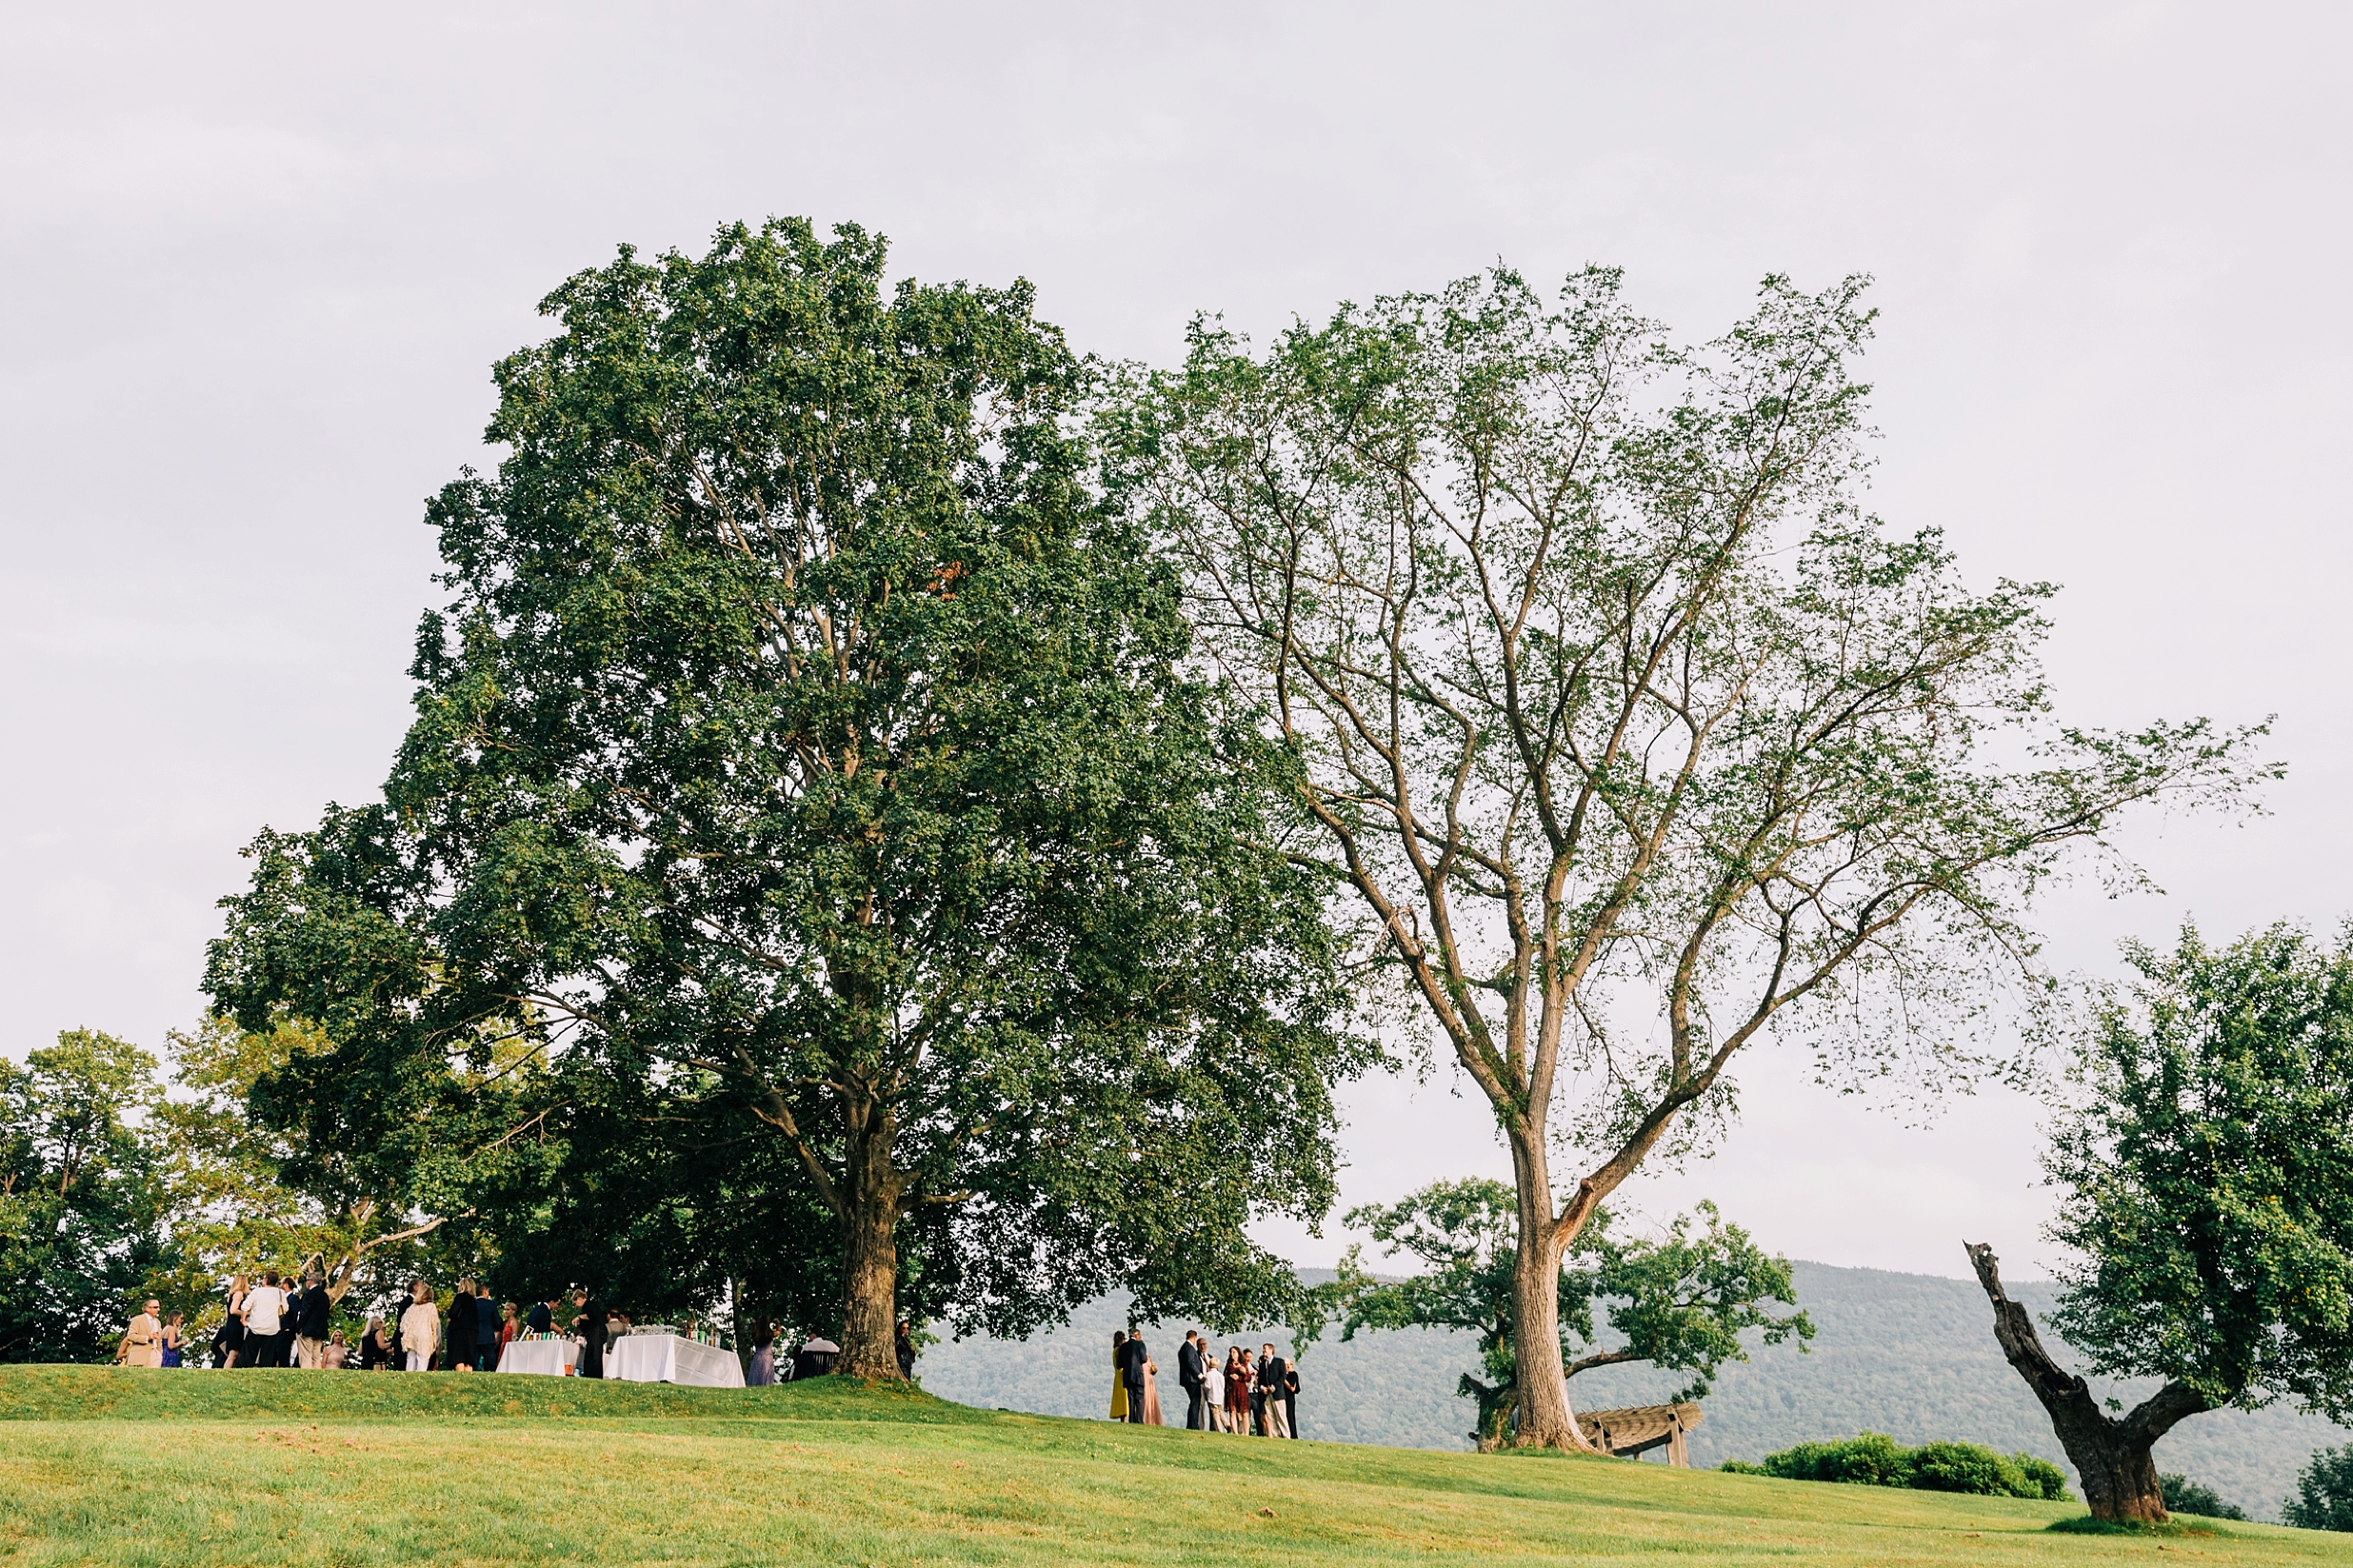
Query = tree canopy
x=82 y=1197
x=1632 y=736
x=803 y=745
x=2205 y=1172
x=1678 y=1301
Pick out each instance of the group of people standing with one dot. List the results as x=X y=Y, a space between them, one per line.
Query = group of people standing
x=275 y=1322
x=1238 y=1395
x=278 y=1323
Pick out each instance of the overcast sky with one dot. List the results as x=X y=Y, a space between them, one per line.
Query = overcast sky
x=258 y=261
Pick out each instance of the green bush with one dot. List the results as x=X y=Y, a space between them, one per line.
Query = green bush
x=1873 y=1458
x=2048 y=1478
x=2183 y=1496
x=2323 y=1499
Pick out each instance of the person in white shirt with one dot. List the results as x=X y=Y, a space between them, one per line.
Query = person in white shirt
x=420 y=1328
x=264 y=1305
x=1213 y=1392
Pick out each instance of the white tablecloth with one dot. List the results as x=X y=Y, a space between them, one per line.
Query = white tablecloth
x=548 y=1358
x=668 y=1359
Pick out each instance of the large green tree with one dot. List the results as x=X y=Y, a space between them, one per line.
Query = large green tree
x=1634 y=739
x=2206 y=1181
x=1680 y=1300
x=805 y=742
x=84 y=1205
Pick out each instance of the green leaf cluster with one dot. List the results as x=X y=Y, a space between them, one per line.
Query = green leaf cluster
x=2323 y=1495
x=2208 y=1173
x=84 y=1196
x=809 y=779
x=1681 y=1301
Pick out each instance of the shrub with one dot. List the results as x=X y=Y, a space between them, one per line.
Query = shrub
x=2183 y=1496
x=2323 y=1499
x=1873 y=1458
x=2049 y=1478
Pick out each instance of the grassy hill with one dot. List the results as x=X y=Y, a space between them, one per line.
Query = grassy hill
x=1906 y=1354
x=110 y=1466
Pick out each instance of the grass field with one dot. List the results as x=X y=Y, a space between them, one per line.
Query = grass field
x=325 y=1470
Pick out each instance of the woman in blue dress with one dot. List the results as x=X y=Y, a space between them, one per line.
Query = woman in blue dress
x=171 y=1341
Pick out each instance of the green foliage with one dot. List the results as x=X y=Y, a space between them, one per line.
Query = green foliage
x=2208 y=1174
x=1608 y=702
x=2323 y=1495
x=83 y=1195
x=1873 y=1458
x=805 y=757
x=1680 y=1301
x=2183 y=1496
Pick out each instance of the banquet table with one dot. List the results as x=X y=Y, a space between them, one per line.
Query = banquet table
x=668 y=1359
x=548 y=1357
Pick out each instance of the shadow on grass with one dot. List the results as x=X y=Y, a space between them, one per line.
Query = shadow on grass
x=2083 y=1524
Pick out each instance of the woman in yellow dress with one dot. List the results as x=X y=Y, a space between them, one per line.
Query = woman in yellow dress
x=1119 y=1384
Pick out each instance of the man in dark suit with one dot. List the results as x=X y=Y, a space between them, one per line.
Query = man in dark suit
x=1131 y=1360
x=314 y=1323
x=1189 y=1376
x=541 y=1317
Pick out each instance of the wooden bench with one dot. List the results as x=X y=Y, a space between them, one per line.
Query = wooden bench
x=1629 y=1433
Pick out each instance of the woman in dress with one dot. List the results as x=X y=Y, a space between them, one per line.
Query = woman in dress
x=173 y=1331
x=375 y=1346
x=335 y=1355
x=1151 y=1393
x=1239 y=1374
x=228 y=1344
x=420 y=1329
x=1119 y=1383
x=762 y=1371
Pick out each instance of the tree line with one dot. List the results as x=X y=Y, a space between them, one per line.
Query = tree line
x=916 y=821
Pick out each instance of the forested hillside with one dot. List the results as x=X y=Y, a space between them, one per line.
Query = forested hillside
x=1906 y=1354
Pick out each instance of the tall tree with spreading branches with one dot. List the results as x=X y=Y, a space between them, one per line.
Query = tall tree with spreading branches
x=804 y=740
x=1634 y=739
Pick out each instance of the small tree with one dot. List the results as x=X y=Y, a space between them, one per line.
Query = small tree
x=252 y=1188
x=2208 y=1181
x=83 y=1207
x=1627 y=731
x=804 y=744
x=2323 y=1495
x=1680 y=1301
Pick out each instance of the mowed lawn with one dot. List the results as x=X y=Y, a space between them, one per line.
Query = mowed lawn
x=328 y=1469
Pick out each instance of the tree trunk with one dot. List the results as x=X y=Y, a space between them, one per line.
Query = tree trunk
x=1545 y=1420
x=869 y=1290
x=868 y=1204
x=2112 y=1456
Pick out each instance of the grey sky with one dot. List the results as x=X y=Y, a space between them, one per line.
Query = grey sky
x=257 y=262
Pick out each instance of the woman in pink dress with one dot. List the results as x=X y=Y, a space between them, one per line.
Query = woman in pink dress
x=1151 y=1396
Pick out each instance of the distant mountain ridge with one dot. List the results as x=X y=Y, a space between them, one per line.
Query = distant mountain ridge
x=1910 y=1355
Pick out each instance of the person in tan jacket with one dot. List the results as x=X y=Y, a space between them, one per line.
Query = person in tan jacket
x=420 y=1328
x=143 y=1343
